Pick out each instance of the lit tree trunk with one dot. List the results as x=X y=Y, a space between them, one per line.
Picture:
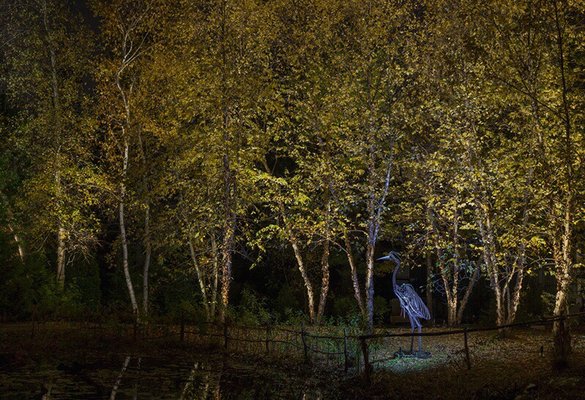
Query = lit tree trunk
x=489 y=257
x=354 y=276
x=563 y=243
x=123 y=237
x=61 y=256
x=61 y=232
x=370 y=285
x=13 y=232
x=324 y=280
x=456 y=265
x=147 y=256
x=215 y=253
x=450 y=276
x=374 y=208
x=226 y=270
x=200 y=279
x=305 y=276
x=465 y=299
x=147 y=238
x=429 y=289
x=130 y=52
x=17 y=241
x=229 y=190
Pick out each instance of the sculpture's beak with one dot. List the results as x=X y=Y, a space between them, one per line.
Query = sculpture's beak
x=392 y=256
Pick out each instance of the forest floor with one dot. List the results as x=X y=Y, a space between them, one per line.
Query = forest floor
x=517 y=367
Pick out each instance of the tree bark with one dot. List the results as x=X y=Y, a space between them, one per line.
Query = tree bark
x=305 y=276
x=429 y=287
x=563 y=244
x=370 y=285
x=128 y=55
x=18 y=242
x=200 y=279
x=123 y=237
x=13 y=232
x=226 y=270
x=214 y=288
x=147 y=257
x=324 y=281
x=374 y=208
x=61 y=257
x=61 y=232
x=465 y=299
x=354 y=276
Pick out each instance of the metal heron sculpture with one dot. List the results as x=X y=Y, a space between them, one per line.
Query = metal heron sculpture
x=410 y=302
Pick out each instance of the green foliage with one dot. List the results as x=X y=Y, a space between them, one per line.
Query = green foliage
x=262 y=134
x=381 y=309
x=252 y=309
x=28 y=291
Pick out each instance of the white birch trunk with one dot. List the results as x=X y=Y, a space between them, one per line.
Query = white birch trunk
x=201 y=281
x=123 y=237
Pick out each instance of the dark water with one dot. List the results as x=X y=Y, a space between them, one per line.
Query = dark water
x=132 y=377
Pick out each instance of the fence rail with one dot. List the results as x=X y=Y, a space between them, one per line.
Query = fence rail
x=316 y=345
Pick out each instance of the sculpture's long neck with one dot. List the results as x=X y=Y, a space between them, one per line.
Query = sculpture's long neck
x=395 y=273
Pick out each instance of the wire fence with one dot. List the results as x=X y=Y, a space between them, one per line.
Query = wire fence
x=328 y=347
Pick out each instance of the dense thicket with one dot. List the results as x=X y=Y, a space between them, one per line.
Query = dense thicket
x=251 y=159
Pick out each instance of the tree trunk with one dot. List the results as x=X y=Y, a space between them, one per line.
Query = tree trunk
x=147 y=256
x=215 y=286
x=354 y=276
x=306 y=280
x=324 y=281
x=374 y=209
x=465 y=299
x=226 y=270
x=13 y=232
x=429 y=287
x=562 y=248
x=123 y=237
x=18 y=242
x=61 y=232
x=201 y=281
x=370 y=285
x=61 y=257
x=489 y=257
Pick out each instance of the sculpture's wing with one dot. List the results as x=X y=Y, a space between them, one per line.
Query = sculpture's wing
x=412 y=302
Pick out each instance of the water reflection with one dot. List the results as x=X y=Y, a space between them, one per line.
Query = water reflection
x=119 y=380
x=131 y=377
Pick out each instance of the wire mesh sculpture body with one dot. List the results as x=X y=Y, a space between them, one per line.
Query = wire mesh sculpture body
x=410 y=302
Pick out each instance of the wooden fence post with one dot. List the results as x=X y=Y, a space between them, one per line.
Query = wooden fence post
x=367 y=366
x=225 y=335
x=467 y=359
x=345 y=357
x=304 y=339
x=267 y=339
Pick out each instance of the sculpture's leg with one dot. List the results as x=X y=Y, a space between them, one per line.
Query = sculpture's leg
x=419 y=338
x=412 y=336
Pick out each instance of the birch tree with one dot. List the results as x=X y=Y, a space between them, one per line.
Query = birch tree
x=46 y=63
x=129 y=27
